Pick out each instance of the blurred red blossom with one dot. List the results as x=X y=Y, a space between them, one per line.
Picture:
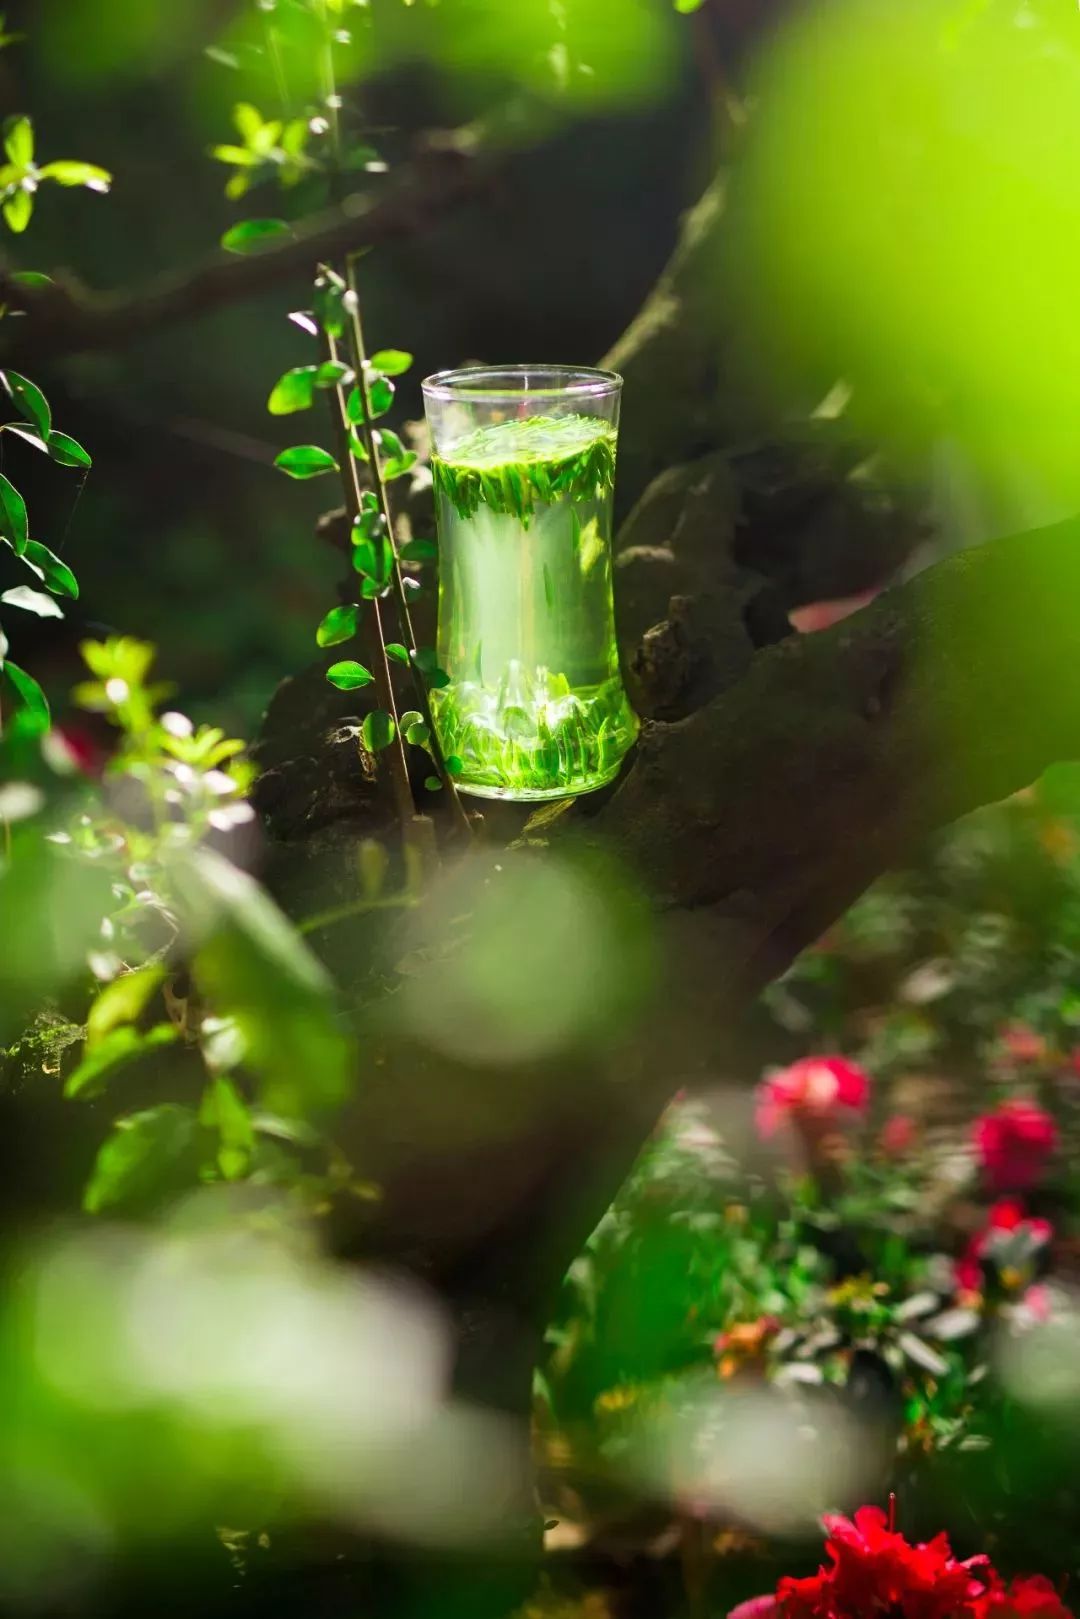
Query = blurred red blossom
x=1031 y=1597
x=872 y=1569
x=813 y=1087
x=1011 y=1238
x=1020 y=1043
x=898 y=1135
x=1014 y=1144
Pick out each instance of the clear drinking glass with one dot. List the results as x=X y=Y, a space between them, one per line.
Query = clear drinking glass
x=523 y=459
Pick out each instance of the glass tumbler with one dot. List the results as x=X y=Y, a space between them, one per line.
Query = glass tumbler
x=523 y=460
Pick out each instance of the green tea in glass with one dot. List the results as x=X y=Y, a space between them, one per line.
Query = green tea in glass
x=523 y=460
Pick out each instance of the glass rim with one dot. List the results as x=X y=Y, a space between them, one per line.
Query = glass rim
x=493 y=382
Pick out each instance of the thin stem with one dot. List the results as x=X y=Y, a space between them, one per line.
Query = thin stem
x=378 y=484
x=399 y=769
x=354 y=908
x=273 y=49
x=366 y=430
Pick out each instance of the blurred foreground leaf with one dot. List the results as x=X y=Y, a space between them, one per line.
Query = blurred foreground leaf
x=253 y=967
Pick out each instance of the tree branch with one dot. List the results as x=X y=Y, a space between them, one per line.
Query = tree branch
x=68 y=319
x=773 y=807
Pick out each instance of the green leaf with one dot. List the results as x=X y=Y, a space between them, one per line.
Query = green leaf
x=332 y=373
x=416 y=734
x=380 y=396
x=252 y=235
x=373 y=558
x=67 y=451
x=399 y=466
x=36 y=280
x=391 y=362
x=454 y=765
x=18 y=210
x=19 y=141
x=147 y=1154
x=13 y=522
x=349 y=675
x=394 y=649
x=389 y=443
x=248 y=120
x=433 y=784
x=30 y=695
x=294 y=391
x=115 y=1050
x=122 y=1001
x=306 y=461
x=253 y=966
x=21 y=430
x=419 y=551
x=330 y=303
x=687 y=6
x=340 y=624
x=354 y=405
x=240 y=156
x=32 y=601
x=427 y=662
x=378 y=730
x=224 y=1110
x=69 y=173
x=29 y=401
x=57 y=575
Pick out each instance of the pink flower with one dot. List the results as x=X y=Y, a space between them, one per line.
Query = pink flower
x=1014 y=1144
x=813 y=1088
x=1021 y=1044
x=765 y=1607
x=898 y=1136
x=823 y=615
x=1037 y=1304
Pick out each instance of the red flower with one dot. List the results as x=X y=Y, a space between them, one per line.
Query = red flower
x=815 y=1087
x=873 y=1570
x=898 y=1135
x=1010 y=1238
x=1032 y=1597
x=1014 y=1144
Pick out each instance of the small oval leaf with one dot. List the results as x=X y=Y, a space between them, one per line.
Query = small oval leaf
x=378 y=730
x=253 y=235
x=13 y=524
x=292 y=392
x=32 y=601
x=391 y=362
x=57 y=575
x=29 y=401
x=306 y=461
x=340 y=624
x=349 y=675
x=67 y=451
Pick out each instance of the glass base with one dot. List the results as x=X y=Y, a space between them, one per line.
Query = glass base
x=533 y=738
x=540 y=795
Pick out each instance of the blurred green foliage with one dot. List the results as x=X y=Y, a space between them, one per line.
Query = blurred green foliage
x=905 y=216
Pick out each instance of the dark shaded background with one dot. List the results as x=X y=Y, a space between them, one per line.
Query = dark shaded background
x=183 y=533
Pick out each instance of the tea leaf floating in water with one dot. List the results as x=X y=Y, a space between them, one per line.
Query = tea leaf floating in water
x=535 y=706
